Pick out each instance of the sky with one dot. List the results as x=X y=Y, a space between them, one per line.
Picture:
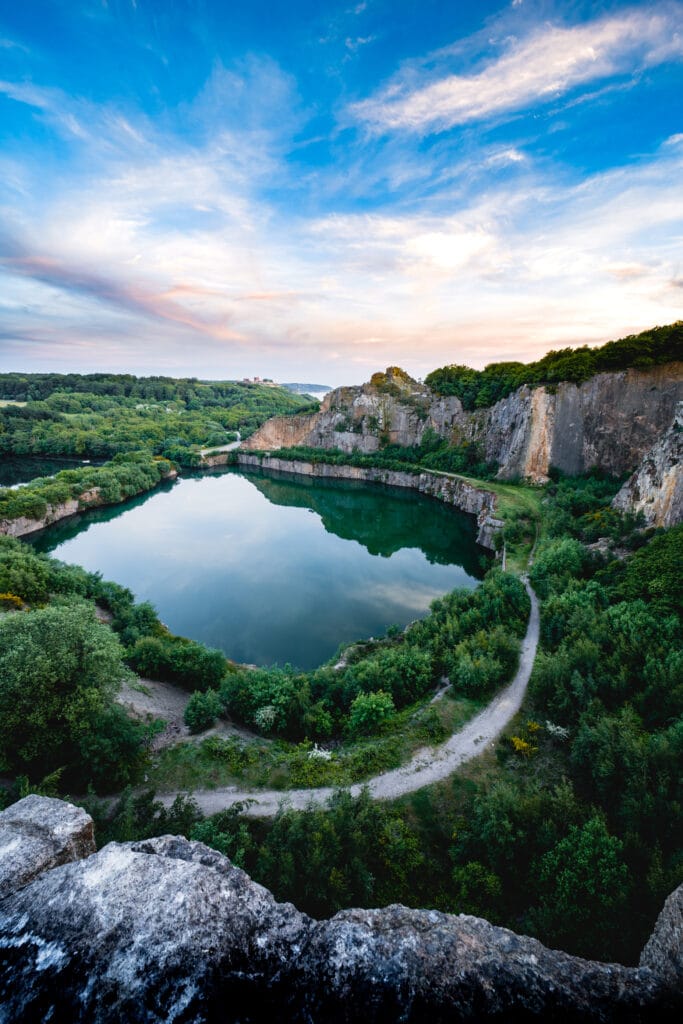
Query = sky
x=311 y=191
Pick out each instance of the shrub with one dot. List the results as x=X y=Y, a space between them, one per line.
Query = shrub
x=370 y=713
x=202 y=710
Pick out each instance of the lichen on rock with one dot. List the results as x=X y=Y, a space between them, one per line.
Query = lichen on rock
x=170 y=930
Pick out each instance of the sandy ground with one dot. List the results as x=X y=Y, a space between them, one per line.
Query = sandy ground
x=149 y=698
x=427 y=766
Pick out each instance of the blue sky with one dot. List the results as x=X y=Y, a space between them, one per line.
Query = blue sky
x=312 y=191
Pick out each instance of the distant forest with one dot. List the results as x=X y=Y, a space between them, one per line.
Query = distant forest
x=100 y=415
x=34 y=387
x=479 y=388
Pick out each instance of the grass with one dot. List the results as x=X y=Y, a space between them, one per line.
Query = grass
x=515 y=503
x=260 y=764
x=8 y=401
x=140 y=688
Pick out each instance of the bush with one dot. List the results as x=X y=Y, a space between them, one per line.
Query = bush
x=404 y=672
x=202 y=710
x=370 y=713
x=22 y=572
x=177 y=660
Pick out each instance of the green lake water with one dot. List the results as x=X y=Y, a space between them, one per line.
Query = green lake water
x=16 y=470
x=276 y=568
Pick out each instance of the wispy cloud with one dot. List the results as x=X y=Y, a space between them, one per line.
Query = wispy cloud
x=548 y=63
x=202 y=241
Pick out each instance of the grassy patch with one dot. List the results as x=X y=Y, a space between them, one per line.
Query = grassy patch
x=260 y=764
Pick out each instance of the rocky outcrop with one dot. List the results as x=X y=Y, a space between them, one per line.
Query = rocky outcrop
x=168 y=929
x=284 y=431
x=449 y=489
x=608 y=422
x=656 y=487
x=663 y=952
x=22 y=525
x=37 y=834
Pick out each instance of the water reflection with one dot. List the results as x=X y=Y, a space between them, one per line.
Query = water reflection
x=276 y=568
x=15 y=470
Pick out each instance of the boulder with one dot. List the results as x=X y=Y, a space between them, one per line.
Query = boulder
x=37 y=834
x=170 y=930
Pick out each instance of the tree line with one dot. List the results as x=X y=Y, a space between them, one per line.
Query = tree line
x=479 y=388
x=98 y=416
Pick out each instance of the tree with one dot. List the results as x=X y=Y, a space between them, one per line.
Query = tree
x=585 y=883
x=370 y=712
x=59 y=671
x=202 y=710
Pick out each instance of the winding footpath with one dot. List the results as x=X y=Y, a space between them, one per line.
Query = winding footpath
x=427 y=766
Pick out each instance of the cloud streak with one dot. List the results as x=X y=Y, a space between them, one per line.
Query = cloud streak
x=546 y=64
x=200 y=241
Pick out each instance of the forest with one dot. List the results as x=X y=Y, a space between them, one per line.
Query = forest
x=479 y=388
x=98 y=416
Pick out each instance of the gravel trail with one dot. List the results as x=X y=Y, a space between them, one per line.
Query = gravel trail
x=428 y=765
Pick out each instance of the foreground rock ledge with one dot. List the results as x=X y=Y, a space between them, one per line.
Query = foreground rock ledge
x=170 y=930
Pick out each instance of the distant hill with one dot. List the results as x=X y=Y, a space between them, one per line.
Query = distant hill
x=308 y=389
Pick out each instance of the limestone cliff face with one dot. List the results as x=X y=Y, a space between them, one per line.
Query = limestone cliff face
x=608 y=422
x=656 y=487
x=22 y=525
x=169 y=930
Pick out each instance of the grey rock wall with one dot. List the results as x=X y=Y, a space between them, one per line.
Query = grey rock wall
x=169 y=930
x=608 y=422
x=656 y=487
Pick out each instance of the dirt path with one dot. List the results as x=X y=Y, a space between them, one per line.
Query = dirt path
x=428 y=765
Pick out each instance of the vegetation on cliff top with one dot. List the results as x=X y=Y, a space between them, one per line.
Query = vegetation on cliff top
x=478 y=388
x=123 y=477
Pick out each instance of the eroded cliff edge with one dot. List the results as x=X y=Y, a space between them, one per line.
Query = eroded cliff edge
x=609 y=422
x=169 y=929
x=656 y=487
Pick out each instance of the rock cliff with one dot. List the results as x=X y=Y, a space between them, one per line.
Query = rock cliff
x=656 y=487
x=608 y=422
x=169 y=929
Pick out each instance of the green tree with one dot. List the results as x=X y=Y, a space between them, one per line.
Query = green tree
x=202 y=710
x=59 y=671
x=370 y=712
x=585 y=884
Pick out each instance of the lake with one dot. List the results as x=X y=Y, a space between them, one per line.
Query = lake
x=276 y=568
x=15 y=469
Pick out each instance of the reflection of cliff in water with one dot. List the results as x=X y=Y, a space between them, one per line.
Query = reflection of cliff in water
x=383 y=519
